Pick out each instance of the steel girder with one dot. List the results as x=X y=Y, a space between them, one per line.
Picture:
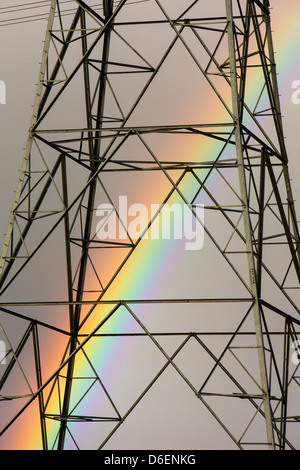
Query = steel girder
x=117 y=86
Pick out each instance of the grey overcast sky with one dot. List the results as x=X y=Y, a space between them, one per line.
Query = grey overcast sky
x=20 y=53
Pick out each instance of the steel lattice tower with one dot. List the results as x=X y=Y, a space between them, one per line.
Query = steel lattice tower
x=172 y=102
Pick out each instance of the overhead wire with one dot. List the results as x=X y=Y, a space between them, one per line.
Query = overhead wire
x=43 y=15
x=42 y=4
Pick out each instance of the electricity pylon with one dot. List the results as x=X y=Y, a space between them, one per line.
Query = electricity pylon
x=176 y=103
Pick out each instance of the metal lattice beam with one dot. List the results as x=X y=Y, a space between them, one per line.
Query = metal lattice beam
x=98 y=134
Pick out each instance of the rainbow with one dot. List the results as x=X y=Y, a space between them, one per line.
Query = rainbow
x=146 y=267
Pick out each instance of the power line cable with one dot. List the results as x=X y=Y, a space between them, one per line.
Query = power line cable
x=32 y=5
x=42 y=16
